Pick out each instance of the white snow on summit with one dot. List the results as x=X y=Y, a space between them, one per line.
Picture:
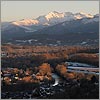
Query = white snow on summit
x=52 y=18
x=25 y=22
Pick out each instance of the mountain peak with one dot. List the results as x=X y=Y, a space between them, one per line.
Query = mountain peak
x=25 y=22
x=54 y=14
x=81 y=15
x=53 y=18
x=81 y=12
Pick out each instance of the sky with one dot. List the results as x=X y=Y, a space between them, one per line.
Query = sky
x=17 y=10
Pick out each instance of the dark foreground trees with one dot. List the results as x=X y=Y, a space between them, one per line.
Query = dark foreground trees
x=83 y=89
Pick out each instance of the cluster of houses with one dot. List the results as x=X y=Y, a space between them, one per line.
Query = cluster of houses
x=17 y=76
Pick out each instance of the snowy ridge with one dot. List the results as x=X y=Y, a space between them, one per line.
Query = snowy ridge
x=52 y=18
x=25 y=22
x=83 y=15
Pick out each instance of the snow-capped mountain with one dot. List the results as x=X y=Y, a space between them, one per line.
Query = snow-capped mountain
x=52 y=18
x=60 y=26
x=83 y=15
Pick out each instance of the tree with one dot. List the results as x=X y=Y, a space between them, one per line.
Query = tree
x=44 y=68
x=61 y=69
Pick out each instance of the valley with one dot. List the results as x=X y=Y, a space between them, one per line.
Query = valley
x=46 y=71
x=53 y=56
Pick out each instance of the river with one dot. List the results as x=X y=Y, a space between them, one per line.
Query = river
x=57 y=79
x=79 y=68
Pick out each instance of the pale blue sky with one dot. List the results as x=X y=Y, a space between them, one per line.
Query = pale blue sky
x=17 y=10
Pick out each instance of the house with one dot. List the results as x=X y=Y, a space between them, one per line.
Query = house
x=3 y=54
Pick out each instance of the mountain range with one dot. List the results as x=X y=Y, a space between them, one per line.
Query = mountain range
x=53 y=28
